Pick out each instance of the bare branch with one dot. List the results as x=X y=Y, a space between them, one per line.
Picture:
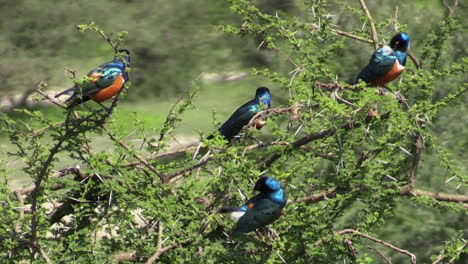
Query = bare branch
x=415 y=60
x=351 y=36
x=43 y=254
x=444 y=197
x=387 y=260
x=404 y=191
x=314 y=136
x=316 y=197
x=352 y=251
x=357 y=233
x=20 y=199
x=451 y=8
x=49 y=98
x=159 y=249
x=418 y=144
x=371 y=23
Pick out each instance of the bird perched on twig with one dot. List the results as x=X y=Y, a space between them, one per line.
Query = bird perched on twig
x=106 y=81
x=245 y=113
x=387 y=63
x=262 y=209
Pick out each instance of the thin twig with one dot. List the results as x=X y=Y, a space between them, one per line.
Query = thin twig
x=357 y=233
x=371 y=23
x=351 y=36
x=312 y=137
x=451 y=8
x=315 y=197
x=352 y=251
x=138 y=157
x=43 y=254
x=418 y=144
x=444 y=197
x=20 y=199
x=387 y=260
x=50 y=99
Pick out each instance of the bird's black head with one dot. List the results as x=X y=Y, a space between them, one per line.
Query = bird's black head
x=267 y=185
x=125 y=54
x=263 y=95
x=262 y=91
x=400 y=42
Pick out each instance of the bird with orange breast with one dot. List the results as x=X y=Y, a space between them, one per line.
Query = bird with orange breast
x=105 y=81
x=387 y=63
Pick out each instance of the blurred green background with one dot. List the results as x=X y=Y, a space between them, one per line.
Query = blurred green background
x=173 y=42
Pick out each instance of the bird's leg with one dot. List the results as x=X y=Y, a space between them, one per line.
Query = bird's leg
x=260 y=143
x=271 y=232
x=103 y=106
x=259 y=234
x=382 y=90
x=265 y=232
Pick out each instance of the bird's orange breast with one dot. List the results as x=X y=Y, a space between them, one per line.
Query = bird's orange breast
x=396 y=70
x=109 y=91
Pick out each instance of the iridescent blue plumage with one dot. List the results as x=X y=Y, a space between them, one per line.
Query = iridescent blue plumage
x=106 y=81
x=244 y=114
x=387 y=63
x=260 y=210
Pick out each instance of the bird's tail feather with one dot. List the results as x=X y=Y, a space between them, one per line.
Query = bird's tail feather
x=230 y=209
x=234 y=212
x=67 y=91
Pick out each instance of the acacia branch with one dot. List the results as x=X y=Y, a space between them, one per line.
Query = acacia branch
x=43 y=254
x=352 y=251
x=312 y=137
x=357 y=233
x=352 y=36
x=403 y=191
x=293 y=110
x=443 y=197
x=387 y=260
x=316 y=197
x=138 y=157
x=58 y=174
x=189 y=169
x=159 y=249
x=371 y=23
x=451 y=8
x=20 y=199
x=418 y=144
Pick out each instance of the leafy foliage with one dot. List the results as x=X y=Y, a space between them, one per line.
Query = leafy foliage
x=347 y=173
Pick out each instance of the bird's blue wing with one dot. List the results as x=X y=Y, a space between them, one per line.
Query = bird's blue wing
x=261 y=212
x=380 y=63
x=239 y=119
x=103 y=76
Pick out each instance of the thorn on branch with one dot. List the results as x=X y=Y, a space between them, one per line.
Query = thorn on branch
x=371 y=23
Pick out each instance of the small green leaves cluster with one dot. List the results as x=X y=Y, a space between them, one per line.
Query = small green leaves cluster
x=341 y=167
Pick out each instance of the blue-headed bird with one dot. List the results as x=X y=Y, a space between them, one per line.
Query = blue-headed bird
x=387 y=63
x=262 y=209
x=106 y=81
x=245 y=113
